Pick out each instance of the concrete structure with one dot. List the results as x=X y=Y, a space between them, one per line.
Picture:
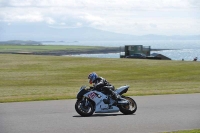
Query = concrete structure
x=129 y=50
x=140 y=52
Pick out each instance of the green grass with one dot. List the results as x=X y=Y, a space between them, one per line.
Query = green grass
x=30 y=77
x=39 y=48
x=186 y=131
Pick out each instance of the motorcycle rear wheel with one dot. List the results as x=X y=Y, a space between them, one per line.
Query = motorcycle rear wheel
x=84 y=110
x=128 y=109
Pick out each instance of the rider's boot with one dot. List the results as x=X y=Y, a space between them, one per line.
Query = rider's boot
x=115 y=95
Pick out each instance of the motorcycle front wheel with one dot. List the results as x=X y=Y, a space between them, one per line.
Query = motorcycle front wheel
x=84 y=108
x=128 y=109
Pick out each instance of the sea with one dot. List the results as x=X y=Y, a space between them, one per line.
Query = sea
x=185 y=50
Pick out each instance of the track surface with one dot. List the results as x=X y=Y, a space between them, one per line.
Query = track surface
x=155 y=114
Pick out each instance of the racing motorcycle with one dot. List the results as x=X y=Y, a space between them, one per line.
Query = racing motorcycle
x=89 y=101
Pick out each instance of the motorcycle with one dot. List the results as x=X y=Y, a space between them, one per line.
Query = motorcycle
x=89 y=101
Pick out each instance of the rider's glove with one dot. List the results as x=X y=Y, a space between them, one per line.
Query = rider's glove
x=91 y=87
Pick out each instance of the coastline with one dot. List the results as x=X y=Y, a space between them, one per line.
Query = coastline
x=76 y=52
x=104 y=50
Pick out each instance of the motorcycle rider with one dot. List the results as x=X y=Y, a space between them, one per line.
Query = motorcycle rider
x=101 y=84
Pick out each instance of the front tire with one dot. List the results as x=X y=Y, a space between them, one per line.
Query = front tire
x=128 y=109
x=84 y=110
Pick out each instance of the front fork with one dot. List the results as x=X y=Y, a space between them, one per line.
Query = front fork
x=85 y=101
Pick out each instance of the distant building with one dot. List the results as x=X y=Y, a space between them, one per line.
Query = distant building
x=140 y=52
x=129 y=50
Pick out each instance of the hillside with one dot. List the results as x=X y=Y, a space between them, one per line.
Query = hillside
x=47 y=33
x=20 y=42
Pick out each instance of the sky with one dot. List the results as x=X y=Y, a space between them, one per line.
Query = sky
x=135 y=17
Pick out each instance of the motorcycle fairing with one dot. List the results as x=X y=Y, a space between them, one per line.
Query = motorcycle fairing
x=101 y=107
x=122 y=89
x=81 y=93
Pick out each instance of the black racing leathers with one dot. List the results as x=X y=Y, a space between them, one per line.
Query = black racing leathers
x=101 y=84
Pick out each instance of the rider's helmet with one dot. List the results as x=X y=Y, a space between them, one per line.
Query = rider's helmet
x=92 y=77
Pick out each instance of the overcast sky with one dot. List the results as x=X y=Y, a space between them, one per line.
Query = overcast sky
x=136 y=17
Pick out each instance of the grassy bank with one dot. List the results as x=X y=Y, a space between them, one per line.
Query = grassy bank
x=55 y=49
x=39 y=48
x=30 y=77
x=186 y=131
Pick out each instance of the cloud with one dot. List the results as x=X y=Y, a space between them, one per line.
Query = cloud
x=101 y=4
x=195 y=4
x=127 y=16
x=49 y=20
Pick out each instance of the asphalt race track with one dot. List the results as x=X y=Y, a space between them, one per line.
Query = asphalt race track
x=155 y=114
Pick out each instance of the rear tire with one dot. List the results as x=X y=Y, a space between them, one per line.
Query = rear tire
x=84 y=110
x=128 y=109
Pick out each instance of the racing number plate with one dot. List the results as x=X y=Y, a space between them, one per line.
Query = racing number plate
x=92 y=95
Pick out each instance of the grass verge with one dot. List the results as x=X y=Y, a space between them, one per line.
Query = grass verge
x=46 y=48
x=30 y=77
x=186 y=131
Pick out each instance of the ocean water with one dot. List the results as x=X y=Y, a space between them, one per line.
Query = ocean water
x=179 y=49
